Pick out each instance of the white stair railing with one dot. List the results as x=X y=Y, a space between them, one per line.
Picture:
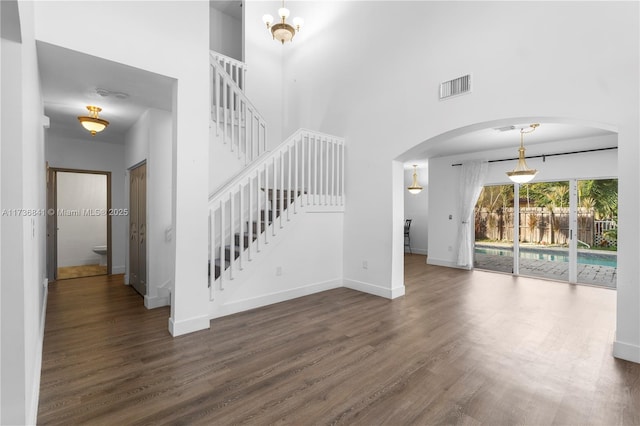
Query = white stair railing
x=236 y=119
x=305 y=172
x=236 y=69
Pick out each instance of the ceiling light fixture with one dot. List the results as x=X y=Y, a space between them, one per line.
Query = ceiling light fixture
x=415 y=188
x=93 y=123
x=522 y=173
x=283 y=31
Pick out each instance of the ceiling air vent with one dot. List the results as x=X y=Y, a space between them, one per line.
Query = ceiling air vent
x=457 y=86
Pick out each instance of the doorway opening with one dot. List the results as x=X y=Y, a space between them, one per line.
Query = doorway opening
x=78 y=223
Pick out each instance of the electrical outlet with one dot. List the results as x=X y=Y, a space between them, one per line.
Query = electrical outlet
x=450 y=248
x=278 y=271
x=365 y=264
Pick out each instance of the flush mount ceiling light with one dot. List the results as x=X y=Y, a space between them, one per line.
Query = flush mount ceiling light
x=92 y=123
x=283 y=31
x=522 y=173
x=415 y=188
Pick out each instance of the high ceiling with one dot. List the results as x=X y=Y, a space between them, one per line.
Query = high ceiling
x=72 y=80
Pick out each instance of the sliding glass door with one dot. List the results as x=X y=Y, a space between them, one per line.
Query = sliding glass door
x=544 y=230
x=563 y=230
x=597 y=224
x=494 y=229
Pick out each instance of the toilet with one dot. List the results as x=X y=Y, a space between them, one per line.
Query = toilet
x=102 y=251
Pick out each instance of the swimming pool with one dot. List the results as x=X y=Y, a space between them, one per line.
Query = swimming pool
x=586 y=258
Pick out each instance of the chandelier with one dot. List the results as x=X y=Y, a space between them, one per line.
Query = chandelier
x=415 y=188
x=282 y=31
x=91 y=122
x=522 y=173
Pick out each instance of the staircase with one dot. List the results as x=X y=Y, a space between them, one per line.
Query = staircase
x=255 y=206
x=238 y=124
x=304 y=172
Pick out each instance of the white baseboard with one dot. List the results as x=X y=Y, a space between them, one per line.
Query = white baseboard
x=156 y=302
x=416 y=251
x=626 y=351
x=376 y=290
x=271 y=298
x=118 y=270
x=37 y=367
x=188 y=326
x=440 y=262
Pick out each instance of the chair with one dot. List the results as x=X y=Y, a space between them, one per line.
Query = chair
x=407 y=237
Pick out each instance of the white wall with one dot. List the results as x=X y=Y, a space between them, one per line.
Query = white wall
x=308 y=252
x=528 y=59
x=22 y=174
x=444 y=178
x=79 y=234
x=225 y=163
x=225 y=34
x=149 y=139
x=416 y=208
x=264 y=57
x=65 y=153
x=170 y=38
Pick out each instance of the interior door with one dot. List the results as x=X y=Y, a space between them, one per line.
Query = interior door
x=137 y=229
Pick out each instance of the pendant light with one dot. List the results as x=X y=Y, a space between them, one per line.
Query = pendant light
x=92 y=122
x=283 y=31
x=522 y=173
x=415 y=188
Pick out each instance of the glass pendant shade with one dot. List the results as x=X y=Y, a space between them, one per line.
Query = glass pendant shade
x=298 y=23
x=93 y=123
x=267 y=19
x=415 y=188
x=283 y=12
x=522 y=173
x=282 y=32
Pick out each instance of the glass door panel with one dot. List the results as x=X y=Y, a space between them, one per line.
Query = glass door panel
x=597 y=232
x=544 y=230
x=494 y=229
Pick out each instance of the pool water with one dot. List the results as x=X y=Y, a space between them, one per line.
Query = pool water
x=583 y=258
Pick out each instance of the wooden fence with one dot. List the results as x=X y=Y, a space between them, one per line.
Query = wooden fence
x=539 y=225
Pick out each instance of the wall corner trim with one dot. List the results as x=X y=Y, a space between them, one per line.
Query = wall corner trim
x=376 y=290
x=156 y=301
x=37 y=366
x=441 y=262
x=190 y=325
x=626 y=351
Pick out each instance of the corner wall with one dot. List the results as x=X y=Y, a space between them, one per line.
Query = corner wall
x=22 y=250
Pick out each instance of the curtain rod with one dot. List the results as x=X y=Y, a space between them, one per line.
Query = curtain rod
x=544 y=156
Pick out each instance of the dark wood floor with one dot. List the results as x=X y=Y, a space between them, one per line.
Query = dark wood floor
x=460 y=348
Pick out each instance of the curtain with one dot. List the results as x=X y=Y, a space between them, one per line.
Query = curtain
x=471 y=180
